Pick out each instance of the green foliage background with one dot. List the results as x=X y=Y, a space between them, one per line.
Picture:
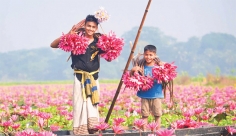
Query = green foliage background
x=213 y=53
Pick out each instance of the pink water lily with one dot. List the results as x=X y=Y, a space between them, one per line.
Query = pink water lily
x=118 y=121
x=198 y=111
x=41 y=123
x=45 y=115
x=152 y=126
x=230 y=130
x=27 y=132
x=188 y=113
x=15 y=126
x=139 y=123
x=14 y=117
x=127 y=114
x=117 y=129
x=54 y=127
x=102 y=126
x=6 y=123
x=166 y=132
x=219 y=110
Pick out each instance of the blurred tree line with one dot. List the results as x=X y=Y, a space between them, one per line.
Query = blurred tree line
x=208 y=54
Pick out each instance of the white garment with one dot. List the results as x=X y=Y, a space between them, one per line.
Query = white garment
x=83 y=110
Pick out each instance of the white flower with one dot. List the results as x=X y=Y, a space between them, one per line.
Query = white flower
x=101 y=15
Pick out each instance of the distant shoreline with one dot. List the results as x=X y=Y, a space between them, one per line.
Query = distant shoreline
x=10 y=83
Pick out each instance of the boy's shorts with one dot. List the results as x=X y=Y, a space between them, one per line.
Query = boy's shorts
x=151 y=106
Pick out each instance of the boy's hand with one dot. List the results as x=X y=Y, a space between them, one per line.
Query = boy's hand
x=137 y=69
x=76 y=27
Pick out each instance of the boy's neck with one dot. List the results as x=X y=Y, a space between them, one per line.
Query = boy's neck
x=89 y=36
x=149 y=64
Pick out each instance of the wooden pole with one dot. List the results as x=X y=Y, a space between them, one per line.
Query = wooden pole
x=127 y=64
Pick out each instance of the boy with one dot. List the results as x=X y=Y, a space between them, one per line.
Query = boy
x=150 y=99
x=86 y=67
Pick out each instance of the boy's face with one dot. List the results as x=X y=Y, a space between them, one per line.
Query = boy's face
x=149 y=57
x=90 y=28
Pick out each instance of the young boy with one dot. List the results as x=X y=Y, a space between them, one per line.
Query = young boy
x=150 y=99
x=86 y=67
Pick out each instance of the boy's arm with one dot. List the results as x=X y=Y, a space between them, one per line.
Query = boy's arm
x=73 y=30
x=162 y=63
x=55 y=43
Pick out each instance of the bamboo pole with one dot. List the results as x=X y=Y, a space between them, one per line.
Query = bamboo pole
x=127 y=64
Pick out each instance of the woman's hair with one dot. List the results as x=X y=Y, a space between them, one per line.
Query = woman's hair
x=91 y=18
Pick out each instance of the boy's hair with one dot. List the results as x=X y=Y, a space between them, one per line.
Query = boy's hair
x=150 y=48
x=91 y=18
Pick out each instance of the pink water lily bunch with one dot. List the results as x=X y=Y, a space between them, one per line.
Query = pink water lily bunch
x=111 y=45
x=137 y=82
x=75 y=43
x=147 y=83
x=132 y=82
x=164 y=72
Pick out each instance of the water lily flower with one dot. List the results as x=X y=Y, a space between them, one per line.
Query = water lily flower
x=118 y=121
x=198 y=111
x=230 y=130
x=127 y=114
x=152 y=126
x=117 y=129
x=54 y=127
x=6 y=124
x=46 y=133
x=165 y=132
x=188 y=113
x=45 y=115
x=27 y=132
x=15 y=126
x=139 y=123
x=101 y=15
x=219 y=110
x=14 y=117
x=41 y=123
x=102 y=126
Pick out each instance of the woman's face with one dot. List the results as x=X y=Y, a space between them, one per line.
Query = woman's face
x=149 y=57
x=90 y=28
